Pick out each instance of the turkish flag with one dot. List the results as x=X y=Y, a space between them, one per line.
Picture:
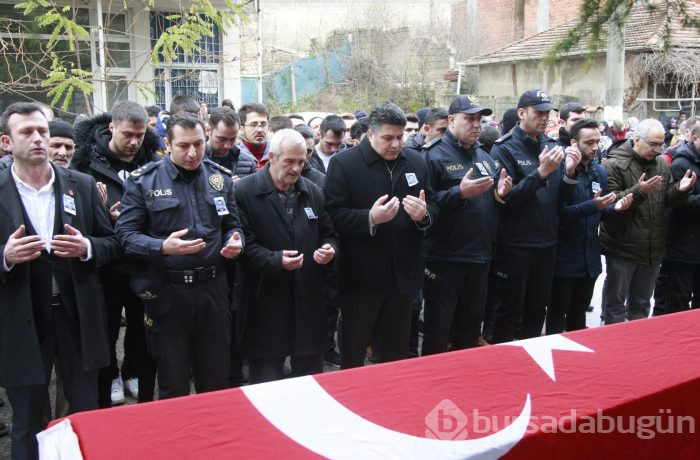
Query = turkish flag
x=627 y=390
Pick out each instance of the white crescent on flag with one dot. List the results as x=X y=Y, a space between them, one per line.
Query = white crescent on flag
x=302 y=410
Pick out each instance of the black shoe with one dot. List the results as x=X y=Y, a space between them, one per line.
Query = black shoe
x=332 y=358
x=3 y=430
x=589 y=309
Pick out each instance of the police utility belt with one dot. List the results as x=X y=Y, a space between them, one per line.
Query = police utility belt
x=196 y=275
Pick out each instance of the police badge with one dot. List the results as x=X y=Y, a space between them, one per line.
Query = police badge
x=217 y=182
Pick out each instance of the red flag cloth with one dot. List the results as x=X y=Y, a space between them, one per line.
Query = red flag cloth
x=628 y=390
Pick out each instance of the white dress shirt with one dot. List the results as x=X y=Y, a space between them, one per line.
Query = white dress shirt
x=40 y=206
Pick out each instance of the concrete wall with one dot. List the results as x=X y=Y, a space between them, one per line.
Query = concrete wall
x=565 y=81
x=300 y=24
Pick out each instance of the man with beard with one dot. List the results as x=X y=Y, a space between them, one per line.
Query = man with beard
x=221 y=147
x=255 y=122
x=110 y=147
x=282 y=311
x=62 y=143
x=578 y=252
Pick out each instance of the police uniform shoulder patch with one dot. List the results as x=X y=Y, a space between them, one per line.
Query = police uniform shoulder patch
x=144 y=169
x=503 y=138
x=218 y=166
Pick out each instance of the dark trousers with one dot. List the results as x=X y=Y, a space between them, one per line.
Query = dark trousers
x=524 y=286
x=271 y=369
x=681 y=278
x=330 y=296
x=118 y=296
x=491 y=305
x=80 y=386
x=660 y=289
x=195 y=334
x=570 y=299
x=628 y=291
x=236 y=377
x=416 y=326
x=455 y=297
x=386 y=315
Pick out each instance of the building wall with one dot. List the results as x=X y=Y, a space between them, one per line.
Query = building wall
x=565 y=81
x=305 y=25
x=501 y=22
x=495 y=24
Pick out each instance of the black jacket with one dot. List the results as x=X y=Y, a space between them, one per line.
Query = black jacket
x=465 y=229
x=240 y=163
x=158 y=201
x=20 y=349
x=281 y=312
x=684 y=229
x=530 y=217
x=314 y=175
x=390 y=261
x=93 y=157
x=316 y=162
x=416 y=143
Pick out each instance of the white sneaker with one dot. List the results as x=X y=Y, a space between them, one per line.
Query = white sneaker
x=131 y=387
x=117 y=392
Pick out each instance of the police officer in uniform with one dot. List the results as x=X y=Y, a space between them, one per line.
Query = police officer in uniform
x=180 y=216
x=458 y=247
x=542 y=175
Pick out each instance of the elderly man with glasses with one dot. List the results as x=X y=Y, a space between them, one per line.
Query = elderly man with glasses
x=634 y=242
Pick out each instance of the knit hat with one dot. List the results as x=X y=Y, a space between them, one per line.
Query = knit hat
x=60 y=128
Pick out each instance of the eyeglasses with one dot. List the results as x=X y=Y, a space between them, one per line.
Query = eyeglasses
x=256 y=125
x=653 y=145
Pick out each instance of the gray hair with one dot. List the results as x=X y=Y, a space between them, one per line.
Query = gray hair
x=645 y=126
x=287 y=137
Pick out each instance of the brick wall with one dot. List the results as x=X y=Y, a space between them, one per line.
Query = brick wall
x=530 y=18
x=501 y=22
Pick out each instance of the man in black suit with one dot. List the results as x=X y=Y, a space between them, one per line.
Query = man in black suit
x=54 y=233
x=376 y=197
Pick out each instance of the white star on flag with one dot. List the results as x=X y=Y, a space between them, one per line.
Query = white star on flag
x=540 y=350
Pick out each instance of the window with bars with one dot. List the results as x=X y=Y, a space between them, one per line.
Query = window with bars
x=197 y=74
